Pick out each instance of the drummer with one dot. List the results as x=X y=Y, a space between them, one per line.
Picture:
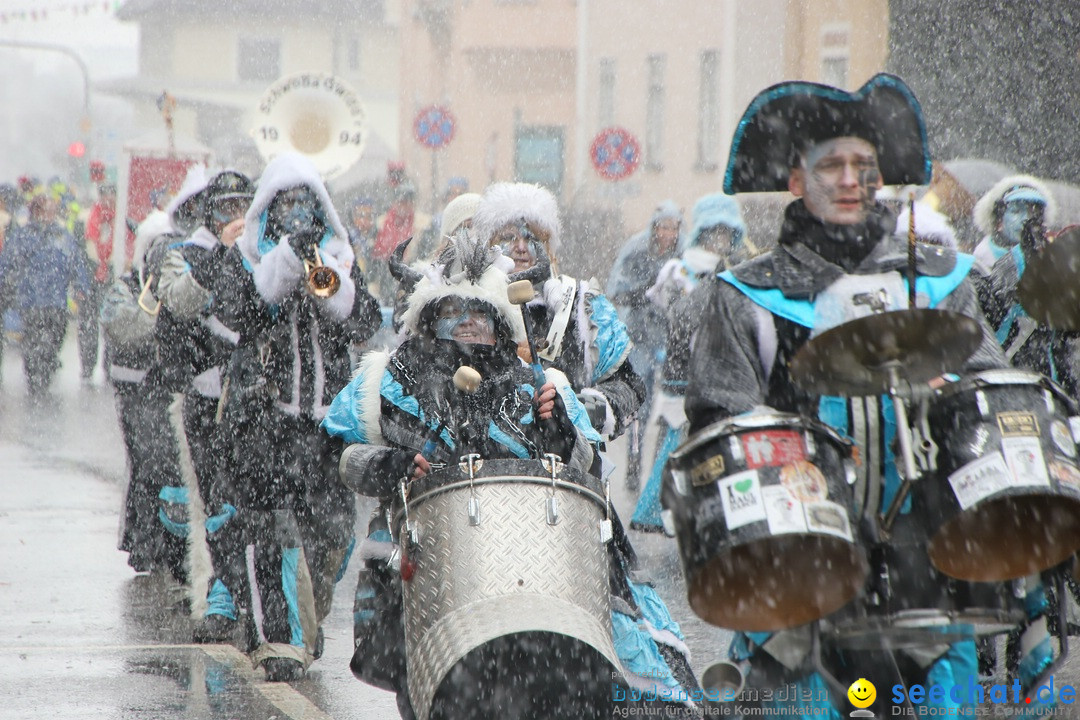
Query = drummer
x=402 y=415
x=836 y=260
x=1014 y=215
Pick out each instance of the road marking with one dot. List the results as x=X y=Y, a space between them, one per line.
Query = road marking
x=283 y=696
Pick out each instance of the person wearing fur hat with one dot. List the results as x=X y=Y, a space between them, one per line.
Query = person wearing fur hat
x=833 y=150
x=401 y=414
x=577 y=328
x=1014 y=214
x=291 y=359
x=194 y=349
x=634 y=270
x=718 y=238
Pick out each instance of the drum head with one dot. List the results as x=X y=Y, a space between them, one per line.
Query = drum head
x=1008 y=537
x=777 y=582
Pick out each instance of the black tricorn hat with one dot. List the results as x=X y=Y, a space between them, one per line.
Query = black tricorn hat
x=785 y=119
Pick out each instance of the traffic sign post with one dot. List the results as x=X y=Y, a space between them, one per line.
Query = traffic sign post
x=615 y=153
x=434 y=129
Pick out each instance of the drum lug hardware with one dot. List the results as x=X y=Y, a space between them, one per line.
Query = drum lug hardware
x=1049 y=398
x=923 y=446
x=667 y=518
x=982 y=403
x=411 y=531
x=811 y=447
x=606 y=530
x=472 y=463
x=552 y=463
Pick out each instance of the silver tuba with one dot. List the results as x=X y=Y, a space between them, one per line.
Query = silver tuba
x=316 y=115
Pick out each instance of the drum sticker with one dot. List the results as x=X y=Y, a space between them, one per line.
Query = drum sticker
x=828 y=518
x=742 y=498
x=1018 y=424
x=773 y=448
x=804 y=481
x=705 y=472
x=980 y=479
x=1063 y=438
x=1066 y=475
x=784 y=512
x=1024 y=456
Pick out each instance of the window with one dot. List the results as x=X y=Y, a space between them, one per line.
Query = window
x=708 y=146
x=654 y=113
x=538 y=156
x=605 y=91
x=835 y=52
x=258 y=60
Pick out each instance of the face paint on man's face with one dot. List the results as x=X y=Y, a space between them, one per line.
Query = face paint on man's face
x=841 y=180
x=1016 y=214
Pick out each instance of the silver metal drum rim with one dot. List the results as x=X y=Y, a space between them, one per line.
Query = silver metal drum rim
x=764 y=421
x=444 y=644
x=505 y=480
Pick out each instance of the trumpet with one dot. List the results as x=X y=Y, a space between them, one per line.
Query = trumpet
x=322 y=281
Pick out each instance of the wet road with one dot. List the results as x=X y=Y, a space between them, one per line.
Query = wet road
x=84 y=636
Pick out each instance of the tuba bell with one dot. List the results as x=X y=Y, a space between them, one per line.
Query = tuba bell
x=316 y=115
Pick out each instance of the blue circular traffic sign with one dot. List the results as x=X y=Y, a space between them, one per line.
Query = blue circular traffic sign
x=615 y=153
x=434 y=127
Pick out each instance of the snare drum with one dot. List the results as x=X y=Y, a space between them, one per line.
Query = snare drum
x=763 y=512
x=1005 y=501
x=506 y=588
x=907 y=603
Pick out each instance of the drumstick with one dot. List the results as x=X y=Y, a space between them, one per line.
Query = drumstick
x=520 y=293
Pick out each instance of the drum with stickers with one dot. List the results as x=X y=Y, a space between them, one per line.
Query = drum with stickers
x=762 y=508
x=907 y=603
x=1003 y=497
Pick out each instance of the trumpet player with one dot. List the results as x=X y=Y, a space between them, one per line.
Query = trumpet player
x=292 y=291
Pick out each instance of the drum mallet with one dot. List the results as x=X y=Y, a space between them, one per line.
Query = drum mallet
x=520 y=292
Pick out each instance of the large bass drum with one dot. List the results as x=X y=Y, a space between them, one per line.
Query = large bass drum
x=1005 y=501
x=507 y=609
x=764 y=514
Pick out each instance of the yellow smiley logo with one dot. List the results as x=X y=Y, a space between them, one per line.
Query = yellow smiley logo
x=862 y=693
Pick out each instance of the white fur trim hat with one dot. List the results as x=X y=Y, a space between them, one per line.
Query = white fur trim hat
x=983 y=214
x=505 y=203
x=457 y=211
x=489 y=287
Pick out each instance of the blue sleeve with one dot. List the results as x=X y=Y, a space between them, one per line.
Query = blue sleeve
x=612 y=340
x=344 y=418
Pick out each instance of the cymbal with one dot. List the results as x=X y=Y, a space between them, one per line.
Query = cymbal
x=1049 y=290
x=854 y=359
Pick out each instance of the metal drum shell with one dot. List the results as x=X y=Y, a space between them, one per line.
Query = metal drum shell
x=1019 y=529
x=513 y=573
x=748 y=577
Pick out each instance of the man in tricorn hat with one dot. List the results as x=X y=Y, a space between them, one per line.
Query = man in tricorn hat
x=833 y=150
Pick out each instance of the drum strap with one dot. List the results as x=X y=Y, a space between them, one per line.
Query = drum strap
x=567 y=291
x=1025 y=326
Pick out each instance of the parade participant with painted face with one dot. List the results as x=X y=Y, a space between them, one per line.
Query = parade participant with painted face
x=717 y=239
x=833 y=150
x=1015 y=214
x=399 y=402
x=577 y=328
x=291 y=289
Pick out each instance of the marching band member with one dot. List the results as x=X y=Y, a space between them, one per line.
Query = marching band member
x=291 y=289
x=833 y=150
